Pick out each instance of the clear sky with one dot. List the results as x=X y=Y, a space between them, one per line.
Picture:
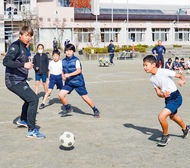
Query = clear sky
x=150 y=2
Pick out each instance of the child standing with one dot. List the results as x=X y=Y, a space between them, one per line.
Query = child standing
x=166 y=88
x=72 y=74
x=17 y=66
x=41 y=63
x=54 y=75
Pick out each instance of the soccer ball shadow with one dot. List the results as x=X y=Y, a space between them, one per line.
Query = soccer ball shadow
x=66 y=148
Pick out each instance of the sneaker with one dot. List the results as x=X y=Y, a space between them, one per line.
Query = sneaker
x=186 y=132
x=23 y=123
x=35 y=134
x=42 y=106
x=96 y=113
x=64 y=113
x=164 y=140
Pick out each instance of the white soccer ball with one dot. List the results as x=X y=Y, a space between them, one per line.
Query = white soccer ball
x=67 y=139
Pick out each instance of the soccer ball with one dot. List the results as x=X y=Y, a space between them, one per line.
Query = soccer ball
x=67 y=139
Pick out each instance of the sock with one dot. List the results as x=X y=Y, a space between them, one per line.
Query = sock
x=67 y=106
x=94 y=108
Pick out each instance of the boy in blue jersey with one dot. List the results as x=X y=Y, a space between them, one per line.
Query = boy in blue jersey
x=165 y=87
x=159 y=51
x=73 y=77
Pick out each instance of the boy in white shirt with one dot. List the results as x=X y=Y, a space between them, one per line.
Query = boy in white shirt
x=166 y=88
x=187 y=65
x=55 y=75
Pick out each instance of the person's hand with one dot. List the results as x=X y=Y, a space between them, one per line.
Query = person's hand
x=28 y=65
x=166 y=94
x=66 y=75
x=181 y=82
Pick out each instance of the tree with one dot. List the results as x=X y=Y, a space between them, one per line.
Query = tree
x=80 y=3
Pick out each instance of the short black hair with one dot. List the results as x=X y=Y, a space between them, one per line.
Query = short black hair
x=176 y=58
x=111 y=40
x=56 y=52
x=149 y=58
x=70 y=47
x=26 y=29
x=40 y=45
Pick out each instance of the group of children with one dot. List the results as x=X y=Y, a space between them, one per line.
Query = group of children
x=69 y=70
x=178 y=64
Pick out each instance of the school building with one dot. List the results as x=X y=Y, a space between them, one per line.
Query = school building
x=124 y=23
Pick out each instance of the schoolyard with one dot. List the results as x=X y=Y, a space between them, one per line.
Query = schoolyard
x=125 y=136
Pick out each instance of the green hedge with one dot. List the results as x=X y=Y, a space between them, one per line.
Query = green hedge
x=138 y=48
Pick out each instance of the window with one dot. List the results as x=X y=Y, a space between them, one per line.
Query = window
x=182 y=34
x=63 y=3
x=106 y=34
x=160 y=34
x=83 y=34
x=136 y=35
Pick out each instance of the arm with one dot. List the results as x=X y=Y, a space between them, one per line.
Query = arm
x=34 y=62
x=153 y=50
x=161 y=94
x=182 y=79
x=78 y=71
x=164 y=49
x=9 y=60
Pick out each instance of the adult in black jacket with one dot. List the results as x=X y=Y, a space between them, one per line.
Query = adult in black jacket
x=111 y=50
x=16 y=73
x=41 y=63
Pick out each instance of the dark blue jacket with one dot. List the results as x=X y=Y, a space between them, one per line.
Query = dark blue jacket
x=69 y=66
x=159 y=49
x=111 y=48
x=14 y=61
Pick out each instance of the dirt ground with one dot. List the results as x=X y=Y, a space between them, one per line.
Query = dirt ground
x=125 y=136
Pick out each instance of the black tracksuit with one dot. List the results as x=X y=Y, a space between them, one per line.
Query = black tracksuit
x=15 y=80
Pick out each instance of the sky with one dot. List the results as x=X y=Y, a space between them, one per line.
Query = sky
x=156 y=2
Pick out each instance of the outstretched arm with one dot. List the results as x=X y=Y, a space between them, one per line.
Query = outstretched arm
x=182 y=79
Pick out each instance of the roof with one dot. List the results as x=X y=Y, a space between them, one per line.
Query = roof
x=133 y=14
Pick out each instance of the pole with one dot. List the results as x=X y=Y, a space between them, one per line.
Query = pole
x=11 y=21
x=127 y=24
x=112 y=19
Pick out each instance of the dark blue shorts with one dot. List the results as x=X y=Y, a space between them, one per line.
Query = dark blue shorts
x=80 y=90
x=55 y=80
x=173 y=102
x=41 y=76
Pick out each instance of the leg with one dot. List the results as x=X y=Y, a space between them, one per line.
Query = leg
x=62 y=96
x=162 y=61
x=45 y=87
x=88 y=100
x=162 y=117
x=46 y=95
x=31 y=102
x=178 y=120
x=24 y=111
x=37 y=86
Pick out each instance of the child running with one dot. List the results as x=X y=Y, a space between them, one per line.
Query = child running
x=166 y=88
x=54 y=75
x=72 y=74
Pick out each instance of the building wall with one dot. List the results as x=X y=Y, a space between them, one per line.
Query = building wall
x=2 y=39
x=60 y=22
